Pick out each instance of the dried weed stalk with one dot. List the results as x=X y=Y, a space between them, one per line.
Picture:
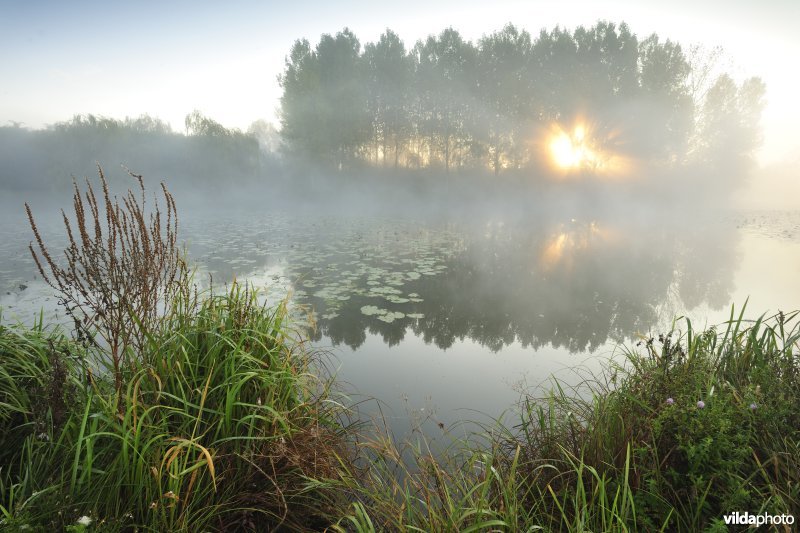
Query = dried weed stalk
x=123 y=267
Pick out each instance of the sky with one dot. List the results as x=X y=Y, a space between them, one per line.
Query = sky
x=165 y=59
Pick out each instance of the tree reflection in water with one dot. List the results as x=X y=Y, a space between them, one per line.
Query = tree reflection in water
x=572 y=284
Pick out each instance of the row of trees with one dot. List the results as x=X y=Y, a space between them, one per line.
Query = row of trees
x=206 y=152
x=452 y=104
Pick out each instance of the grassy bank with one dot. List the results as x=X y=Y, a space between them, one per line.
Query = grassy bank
x=224 y=426
x=220 y=426
x=686 y=429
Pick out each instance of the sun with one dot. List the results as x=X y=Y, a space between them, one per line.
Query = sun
x=587 y=150
x=572 y=151
x=562 y=151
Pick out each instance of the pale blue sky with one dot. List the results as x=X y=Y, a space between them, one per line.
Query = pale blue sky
x=167 y=58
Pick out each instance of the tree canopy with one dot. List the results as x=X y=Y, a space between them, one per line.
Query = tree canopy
x=447 y=103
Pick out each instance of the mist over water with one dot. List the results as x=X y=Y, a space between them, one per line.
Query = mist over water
x=452 y=220
x=446 y=313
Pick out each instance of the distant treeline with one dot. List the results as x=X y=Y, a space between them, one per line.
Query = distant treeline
x=205 y=153
x=451 y=104
x=445 y=105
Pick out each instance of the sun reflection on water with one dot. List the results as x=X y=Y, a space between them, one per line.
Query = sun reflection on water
x=561 y=249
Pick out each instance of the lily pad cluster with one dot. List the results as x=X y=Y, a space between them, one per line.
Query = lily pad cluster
x=371 y=266
x=324 y=265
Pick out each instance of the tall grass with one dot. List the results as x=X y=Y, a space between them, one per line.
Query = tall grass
x=633 y=451
x=194 y=412
x=684 y=430
x=39 y=379
x=225 y=426
x=222 y=426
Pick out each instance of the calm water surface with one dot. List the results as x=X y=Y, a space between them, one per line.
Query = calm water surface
x=445 y=320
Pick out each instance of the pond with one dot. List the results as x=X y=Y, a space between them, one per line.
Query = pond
x=445 y=319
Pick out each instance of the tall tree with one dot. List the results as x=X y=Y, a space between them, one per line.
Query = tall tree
x=665 y=120
x=342 y=117
x=607 y=63
x=300 y=99
x=556 y=66
x=445 y=77
x=728 y=127
x=323 y=111
x=504 y=93
x=390 y=75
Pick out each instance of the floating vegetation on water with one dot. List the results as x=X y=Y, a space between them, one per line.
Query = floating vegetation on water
x=390 y=316
x=328 y=265
x=370 y=310
x=385 y=290
x=327 y=293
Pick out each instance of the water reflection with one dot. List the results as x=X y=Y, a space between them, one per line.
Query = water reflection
x=574 y=285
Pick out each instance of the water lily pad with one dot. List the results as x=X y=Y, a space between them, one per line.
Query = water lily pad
x=385 y=290
x=325 y=293
x=391 y=317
